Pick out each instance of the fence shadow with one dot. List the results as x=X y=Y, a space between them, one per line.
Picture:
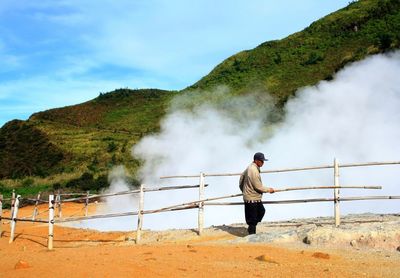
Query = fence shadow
x=236 y=231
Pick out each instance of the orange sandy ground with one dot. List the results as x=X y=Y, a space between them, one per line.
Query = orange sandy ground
x=86 y=253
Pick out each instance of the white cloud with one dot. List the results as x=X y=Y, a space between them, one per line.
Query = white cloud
x=163 y=37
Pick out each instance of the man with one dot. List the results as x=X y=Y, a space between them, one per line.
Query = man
x=251 y=186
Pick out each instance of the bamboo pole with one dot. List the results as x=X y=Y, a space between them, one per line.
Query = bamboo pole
x=336 y=192
x=369 y=164
x=58 y=202
x=140 y=215
x=134 y=192
x=73 y=194
x=329 y=187
x=192 y=206
x=195 y=186
x=1 y=214
x=174 y=208
x=87 y=203
x=201 y=206
x=25 y=220
x=14 y=218
x=277 y=190
x=34 y=200
x=172 y=187
x=35 y=210
x=315 y=200
x=12 y=204
x=369 y=198
x=51 y=222
x=195 y=203
x=123 y=214
x=288 y=169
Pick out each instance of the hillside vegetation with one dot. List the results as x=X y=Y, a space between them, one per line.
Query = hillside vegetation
x=316 y=53
x=75 y=146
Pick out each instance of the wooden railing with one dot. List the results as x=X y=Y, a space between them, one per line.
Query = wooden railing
x=55 y=200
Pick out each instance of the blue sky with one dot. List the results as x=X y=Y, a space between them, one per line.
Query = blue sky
x=55 y=53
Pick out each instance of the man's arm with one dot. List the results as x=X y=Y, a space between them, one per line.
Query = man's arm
x=241 y=181
x=255 y=180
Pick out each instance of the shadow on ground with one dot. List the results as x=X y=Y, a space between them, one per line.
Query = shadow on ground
x=236 y=231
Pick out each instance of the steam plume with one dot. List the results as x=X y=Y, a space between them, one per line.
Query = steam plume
x=355 y=118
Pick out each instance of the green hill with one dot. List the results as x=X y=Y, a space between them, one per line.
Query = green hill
x=316 y=53
x=82 y=142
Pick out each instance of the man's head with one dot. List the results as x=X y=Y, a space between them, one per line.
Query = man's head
x=259 y=159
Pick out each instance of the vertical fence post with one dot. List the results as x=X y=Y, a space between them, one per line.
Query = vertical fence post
x=336 y=193
x=201 y=205
x=140 y=215
x=1 y=214
x=14 y=218
x=87 y=203
x=35 y=210
x=12 y=204
x=58 y=202
x=51 y=222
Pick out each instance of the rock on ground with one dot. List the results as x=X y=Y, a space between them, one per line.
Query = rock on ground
x=356 y=231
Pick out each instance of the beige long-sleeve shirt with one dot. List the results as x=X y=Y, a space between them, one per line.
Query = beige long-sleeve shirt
x=251 y=185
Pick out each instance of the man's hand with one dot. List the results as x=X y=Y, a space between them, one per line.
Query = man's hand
x=271 y=190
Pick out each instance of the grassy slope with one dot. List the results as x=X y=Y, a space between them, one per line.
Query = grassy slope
x=94 y=135
x=98 y=134
x=314 y=54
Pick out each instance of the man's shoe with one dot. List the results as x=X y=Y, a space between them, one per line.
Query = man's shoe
x=251 y=229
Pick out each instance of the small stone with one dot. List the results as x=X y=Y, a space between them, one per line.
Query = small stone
x=129 y=238
x=21 y=264
x=398 y=248
x=353 y=243
x=320 y=255
x=264 y=258
x=306 y=240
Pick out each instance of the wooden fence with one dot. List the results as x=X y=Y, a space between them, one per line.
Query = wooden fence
x=55 y=200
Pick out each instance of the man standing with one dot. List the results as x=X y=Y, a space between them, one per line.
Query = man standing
x=251 y=186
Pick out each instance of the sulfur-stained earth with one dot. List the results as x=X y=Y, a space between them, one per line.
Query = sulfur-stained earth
x=290 y=249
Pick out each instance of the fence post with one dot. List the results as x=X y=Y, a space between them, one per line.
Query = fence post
x=14 y=217
x=35 y=210
x=58 y=202
x=87 y=203
x=336 y=193
x=12 y=204
x=201 y=205
x=1 y=214
x=140 y=215
x=51 y=222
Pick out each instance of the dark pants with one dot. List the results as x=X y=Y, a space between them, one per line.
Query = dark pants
x=254 y=213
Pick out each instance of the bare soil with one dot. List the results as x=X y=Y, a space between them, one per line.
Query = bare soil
x=222 y=251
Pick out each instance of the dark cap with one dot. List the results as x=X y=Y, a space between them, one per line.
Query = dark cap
x=259 y=156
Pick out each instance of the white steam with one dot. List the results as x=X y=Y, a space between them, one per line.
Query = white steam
x=114 y=204
x=355 y=118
